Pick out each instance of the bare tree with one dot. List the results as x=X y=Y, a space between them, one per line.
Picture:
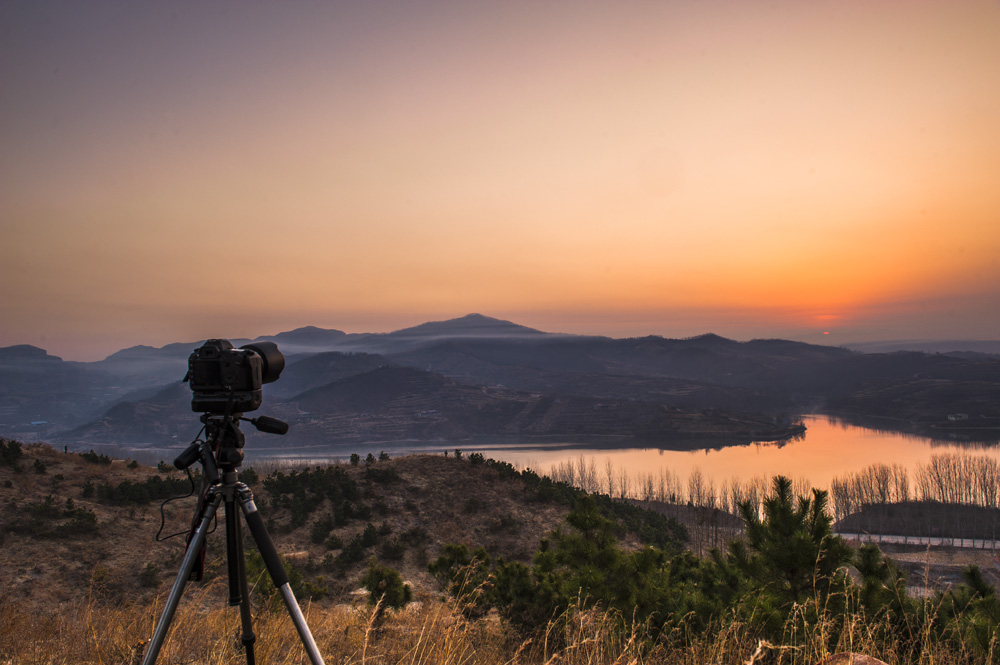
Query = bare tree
x=648 y=486
x=696 y=487
x=563 y=472
x=840 y=497
x=586 y=473
x=671 y=483
x=624 y=485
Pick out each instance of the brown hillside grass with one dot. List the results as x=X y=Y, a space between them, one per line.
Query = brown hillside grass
x=432 y=632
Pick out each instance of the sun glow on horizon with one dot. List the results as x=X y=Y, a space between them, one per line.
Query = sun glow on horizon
x=663 y=168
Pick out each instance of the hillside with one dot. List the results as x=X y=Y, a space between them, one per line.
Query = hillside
x=59 y=545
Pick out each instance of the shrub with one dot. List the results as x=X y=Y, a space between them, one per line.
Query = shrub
x=385 y=585
x=392 y=550
x=43 y=510
x=415 y=536
x=321 y=528
x=464 y=575
x=81 y=521
x=10 y=453
x=353 y=552
x=94 y=458
x=369 y=536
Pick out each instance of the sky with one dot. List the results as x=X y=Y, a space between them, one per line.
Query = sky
x=827 y=171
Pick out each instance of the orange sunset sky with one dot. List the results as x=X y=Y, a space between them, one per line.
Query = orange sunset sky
x=181 y=170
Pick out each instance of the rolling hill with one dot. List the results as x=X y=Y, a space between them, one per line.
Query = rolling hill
x=478 y=376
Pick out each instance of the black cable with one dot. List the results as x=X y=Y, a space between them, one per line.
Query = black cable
x=163 y=505
x=163 y=517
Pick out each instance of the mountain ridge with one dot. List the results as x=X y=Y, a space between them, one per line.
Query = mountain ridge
x=43 y=396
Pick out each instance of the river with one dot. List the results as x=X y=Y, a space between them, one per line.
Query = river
x=829 y=449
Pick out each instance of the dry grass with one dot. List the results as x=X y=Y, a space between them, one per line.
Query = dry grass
x=207 y=632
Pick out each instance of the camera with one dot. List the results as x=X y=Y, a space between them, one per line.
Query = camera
x=226 y=380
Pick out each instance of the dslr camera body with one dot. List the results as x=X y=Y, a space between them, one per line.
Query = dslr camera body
x=226 y=380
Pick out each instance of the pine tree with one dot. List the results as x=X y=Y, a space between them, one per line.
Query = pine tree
x=790 y=553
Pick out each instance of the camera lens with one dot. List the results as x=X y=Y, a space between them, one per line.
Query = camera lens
x=272 y=362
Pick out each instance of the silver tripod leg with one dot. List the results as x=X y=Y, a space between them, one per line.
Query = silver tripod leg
x=190 y=558
x=277 y=571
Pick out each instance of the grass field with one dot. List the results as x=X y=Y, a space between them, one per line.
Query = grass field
x=432 y=631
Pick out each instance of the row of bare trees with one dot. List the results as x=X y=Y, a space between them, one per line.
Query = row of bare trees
x=951 y=494
x=877 y=484
x=666 y=486
x=967 y=479
x=954 y=478
x=958 y=478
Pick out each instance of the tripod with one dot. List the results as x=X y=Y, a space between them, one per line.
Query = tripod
x=220 y=454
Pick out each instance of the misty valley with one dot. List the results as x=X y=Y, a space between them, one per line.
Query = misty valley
x=536 y=399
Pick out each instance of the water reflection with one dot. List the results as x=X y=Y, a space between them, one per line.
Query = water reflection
x=830 y=448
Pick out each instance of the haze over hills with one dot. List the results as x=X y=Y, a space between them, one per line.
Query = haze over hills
x=476 y=376
x=951 y=347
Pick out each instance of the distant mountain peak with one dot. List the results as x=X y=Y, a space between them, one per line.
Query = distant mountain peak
x=470 y=325
x=309 y=332
x=311 y=329
x=26 y=351
x=306 y=338
x=138 y=349
x=710 y=338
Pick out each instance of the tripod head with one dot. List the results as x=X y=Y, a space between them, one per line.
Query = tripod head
x=222 y=447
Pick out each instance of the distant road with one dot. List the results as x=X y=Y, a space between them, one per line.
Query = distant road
x=967 y=543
